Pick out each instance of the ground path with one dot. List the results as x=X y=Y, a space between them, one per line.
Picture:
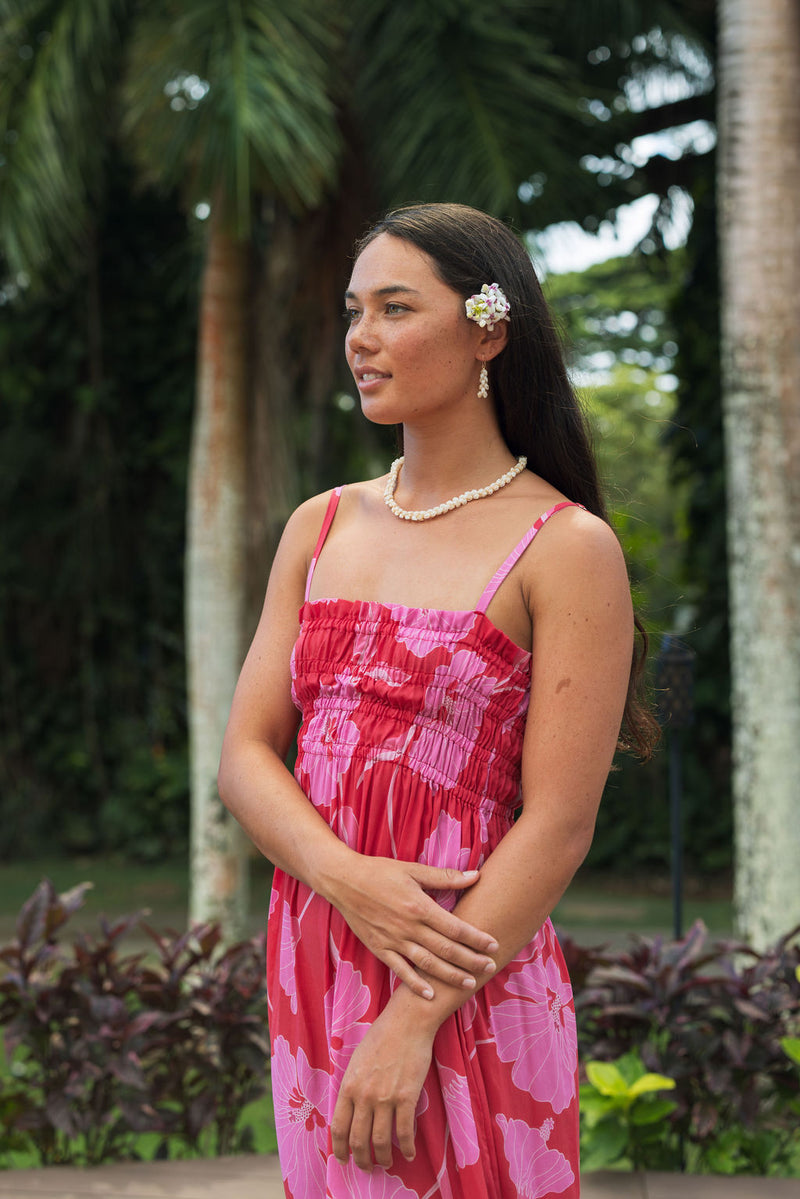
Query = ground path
x=260 y=1178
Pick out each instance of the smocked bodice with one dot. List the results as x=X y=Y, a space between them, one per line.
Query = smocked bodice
x=442 y=694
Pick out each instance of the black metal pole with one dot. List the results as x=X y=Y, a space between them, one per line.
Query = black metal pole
x=676 y=831
x=674 y=683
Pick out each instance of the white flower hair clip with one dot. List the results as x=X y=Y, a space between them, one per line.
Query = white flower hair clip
x=488 y=307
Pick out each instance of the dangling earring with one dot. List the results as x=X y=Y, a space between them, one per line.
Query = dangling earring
x=483 y=383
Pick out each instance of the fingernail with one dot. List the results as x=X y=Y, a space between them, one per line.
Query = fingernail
x=492 y=947
x=490 y=967
x=470 y=873
x=469 y=983
x=427 y=993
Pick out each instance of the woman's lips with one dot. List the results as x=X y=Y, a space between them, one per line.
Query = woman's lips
x=369 y=378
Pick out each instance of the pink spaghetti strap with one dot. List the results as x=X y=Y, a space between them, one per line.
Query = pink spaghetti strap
x=497 y=578
x=330 y=512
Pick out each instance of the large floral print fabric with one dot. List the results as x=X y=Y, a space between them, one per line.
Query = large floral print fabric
x=410 y=747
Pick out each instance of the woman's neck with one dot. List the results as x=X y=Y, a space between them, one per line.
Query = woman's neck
x=437 y=466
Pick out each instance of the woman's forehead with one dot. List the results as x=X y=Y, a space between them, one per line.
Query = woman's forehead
x=389 y=261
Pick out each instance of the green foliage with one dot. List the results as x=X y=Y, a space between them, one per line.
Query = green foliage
x=696 y=449
x=791 y=1047
x=475 y=71
x=230 y=100
x=622 y=1114
x=767 y=1151
x=621 y=347
x=57 y=66
x=714 y=1019
x=97 y=387
x=105 y=1045
x=304 y=121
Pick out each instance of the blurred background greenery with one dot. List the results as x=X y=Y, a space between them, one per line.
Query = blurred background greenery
x=125 y=129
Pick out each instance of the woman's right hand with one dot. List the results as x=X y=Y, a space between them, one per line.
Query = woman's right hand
x=384 y=902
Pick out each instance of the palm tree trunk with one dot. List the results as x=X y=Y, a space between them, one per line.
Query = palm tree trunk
x=759 y=118
x=215 y=573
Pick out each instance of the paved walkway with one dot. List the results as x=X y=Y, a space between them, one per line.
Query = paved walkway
x=260 y=1178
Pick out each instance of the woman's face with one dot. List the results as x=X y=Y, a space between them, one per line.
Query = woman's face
x=410 y=346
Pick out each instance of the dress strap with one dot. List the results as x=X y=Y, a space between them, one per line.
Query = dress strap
x=517 y=552
x=330 y=512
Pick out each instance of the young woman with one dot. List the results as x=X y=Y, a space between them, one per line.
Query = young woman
x=461 y=668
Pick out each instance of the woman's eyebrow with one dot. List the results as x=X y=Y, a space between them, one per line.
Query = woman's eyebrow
x=390 y=289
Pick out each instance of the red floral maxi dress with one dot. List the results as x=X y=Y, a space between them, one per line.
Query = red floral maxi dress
x=410 y=747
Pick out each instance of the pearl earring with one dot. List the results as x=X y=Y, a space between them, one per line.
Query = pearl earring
x=483 y=383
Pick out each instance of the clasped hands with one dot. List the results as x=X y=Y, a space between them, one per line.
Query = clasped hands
x=384 y=902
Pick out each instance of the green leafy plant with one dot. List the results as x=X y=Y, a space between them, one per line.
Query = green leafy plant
x=623 y=1115
x=717 y=1019
x=791 y=1047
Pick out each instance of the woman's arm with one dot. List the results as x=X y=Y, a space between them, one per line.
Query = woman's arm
x=382 y=900
x=583 y=632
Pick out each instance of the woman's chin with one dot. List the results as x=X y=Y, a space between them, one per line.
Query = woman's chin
x=380 y=414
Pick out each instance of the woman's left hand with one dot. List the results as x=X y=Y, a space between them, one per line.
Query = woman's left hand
x=380 y=1091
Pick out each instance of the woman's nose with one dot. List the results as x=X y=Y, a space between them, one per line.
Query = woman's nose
x=362 y=334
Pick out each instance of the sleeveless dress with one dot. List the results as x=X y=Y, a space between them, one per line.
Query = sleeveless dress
x=410 y=747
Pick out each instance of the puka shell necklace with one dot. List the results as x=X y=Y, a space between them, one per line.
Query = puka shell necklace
x=458 y=501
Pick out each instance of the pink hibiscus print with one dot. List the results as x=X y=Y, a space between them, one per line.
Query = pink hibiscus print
x=300 y=1097
x=334 y=737
x=347 y=822
x=536 y=1031
x=345 y=1003
x=454 y=707
x=348 y=1182
x=443 y=848
x=391 y=675
x=460 y=1119
x=535 y=1170
x=418 y=632
x=290 y=935
x=468 y=1011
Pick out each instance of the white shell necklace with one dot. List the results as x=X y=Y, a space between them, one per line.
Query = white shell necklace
x=457 y=501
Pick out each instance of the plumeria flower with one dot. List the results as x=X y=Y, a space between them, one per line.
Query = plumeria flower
x=488 y=306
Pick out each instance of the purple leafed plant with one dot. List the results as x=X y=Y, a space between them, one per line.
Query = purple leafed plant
x=104 y=1045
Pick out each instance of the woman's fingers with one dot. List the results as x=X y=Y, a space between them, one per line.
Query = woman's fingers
x=404 y=1123
x=361 y=1136
x=382 y=1134
x=439 y=964
x=408 y=975
x=435 y=878
x=380 y=1090
x=340 y=1127
x=386 y=904
x=442 y=878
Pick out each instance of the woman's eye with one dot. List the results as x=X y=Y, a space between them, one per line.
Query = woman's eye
x=350 y=314
x=393 y=308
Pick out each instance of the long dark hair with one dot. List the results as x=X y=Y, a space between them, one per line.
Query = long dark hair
x=537 y=410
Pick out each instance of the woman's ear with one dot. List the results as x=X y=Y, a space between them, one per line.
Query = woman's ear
x=492 y=341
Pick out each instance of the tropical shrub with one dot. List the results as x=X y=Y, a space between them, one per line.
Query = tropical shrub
x=623 y=1114
x=102 y=1046
x=720 y=1020
x=105 y=1044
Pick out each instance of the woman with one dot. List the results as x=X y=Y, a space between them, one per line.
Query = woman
x=426 y=1046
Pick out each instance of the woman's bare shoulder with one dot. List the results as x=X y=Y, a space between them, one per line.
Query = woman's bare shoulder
x=575 y=549
x=311 y=513
x=304 y=525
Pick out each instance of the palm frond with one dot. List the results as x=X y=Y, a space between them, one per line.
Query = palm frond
x=460 y=100
x=55 y=99
x=225 y=98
